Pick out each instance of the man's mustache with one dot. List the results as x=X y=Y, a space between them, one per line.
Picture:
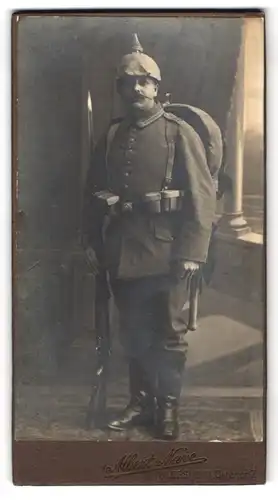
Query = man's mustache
x=140 y=97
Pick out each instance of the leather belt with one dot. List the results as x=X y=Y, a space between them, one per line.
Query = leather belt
x=153 y=202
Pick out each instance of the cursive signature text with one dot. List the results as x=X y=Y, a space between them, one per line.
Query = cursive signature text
x=132 y=463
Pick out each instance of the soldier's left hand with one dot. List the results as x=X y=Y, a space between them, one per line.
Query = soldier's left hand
x=186 y=268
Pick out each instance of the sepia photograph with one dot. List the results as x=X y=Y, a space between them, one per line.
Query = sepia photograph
x=139 y=239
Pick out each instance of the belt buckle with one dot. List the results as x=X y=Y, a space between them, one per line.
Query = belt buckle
x=127 y=206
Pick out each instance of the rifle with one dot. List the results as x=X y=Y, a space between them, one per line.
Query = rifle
x=97 y=403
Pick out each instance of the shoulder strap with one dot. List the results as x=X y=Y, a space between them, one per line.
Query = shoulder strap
x=171 y=128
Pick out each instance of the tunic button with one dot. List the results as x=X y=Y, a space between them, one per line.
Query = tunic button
x=125 y=186
x=126 y=174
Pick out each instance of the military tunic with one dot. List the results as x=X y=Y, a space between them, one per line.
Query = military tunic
x=140 y=244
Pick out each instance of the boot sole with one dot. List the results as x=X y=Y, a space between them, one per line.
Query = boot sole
x=167 y=436
x=117 y=428
x=131 y=425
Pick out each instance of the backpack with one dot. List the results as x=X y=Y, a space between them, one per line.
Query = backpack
x=208 y=131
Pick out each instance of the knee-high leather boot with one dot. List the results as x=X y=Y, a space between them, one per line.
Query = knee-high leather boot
x=170 y=371
x=141 y=407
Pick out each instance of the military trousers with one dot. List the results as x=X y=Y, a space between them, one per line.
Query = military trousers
x=152 y=329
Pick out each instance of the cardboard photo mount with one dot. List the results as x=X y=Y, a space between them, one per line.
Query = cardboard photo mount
x=59 y=64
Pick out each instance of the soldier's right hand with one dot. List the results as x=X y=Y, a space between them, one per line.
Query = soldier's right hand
x=92 y=260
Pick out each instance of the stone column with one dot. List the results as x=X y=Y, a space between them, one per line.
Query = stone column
x=232 y=222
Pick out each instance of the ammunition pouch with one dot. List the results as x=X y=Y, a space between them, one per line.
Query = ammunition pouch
x=106 y=202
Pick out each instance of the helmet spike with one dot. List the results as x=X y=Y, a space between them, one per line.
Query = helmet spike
x=136 y=45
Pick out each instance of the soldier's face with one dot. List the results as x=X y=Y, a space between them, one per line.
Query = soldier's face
x=138 y=92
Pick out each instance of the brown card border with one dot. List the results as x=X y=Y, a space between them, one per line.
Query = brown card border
x=112 y=463
x=139 y=463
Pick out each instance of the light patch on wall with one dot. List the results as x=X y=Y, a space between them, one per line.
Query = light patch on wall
x=254 y=74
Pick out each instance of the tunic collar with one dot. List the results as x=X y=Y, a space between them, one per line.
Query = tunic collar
x=149 y=117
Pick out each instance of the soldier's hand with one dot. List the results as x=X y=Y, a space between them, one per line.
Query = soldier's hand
x=186 y=268
x=92 y=260
x=190 y=266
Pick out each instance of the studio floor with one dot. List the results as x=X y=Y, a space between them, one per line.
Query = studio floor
x=222 y=397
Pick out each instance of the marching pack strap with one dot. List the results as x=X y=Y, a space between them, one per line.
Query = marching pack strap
x=109 y=139
x=170 y=138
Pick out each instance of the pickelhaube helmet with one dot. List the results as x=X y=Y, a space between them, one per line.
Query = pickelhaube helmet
x=137 y=63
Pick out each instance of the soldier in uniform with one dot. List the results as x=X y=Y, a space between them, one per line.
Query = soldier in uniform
x=156 y=164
